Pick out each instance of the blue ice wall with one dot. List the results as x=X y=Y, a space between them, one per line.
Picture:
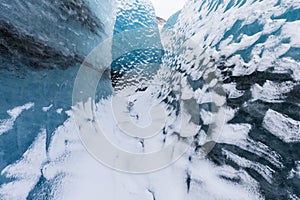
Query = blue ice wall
x=136 y=38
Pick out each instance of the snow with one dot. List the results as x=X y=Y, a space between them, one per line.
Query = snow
x=25 y=172
x=230 y=89
x=263 y=170
x=290 y=29
x=7 y=124
x=281 y=126
x=272 y=92
x=84 y=177
x=47 y=108
x=59 y=110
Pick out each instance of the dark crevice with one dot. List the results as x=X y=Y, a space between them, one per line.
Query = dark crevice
x=152 y=193
x=188 y=182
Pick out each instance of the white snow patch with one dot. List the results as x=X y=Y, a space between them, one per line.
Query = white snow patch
x=46 y=108
x=237 y=134
x=86 y=178
x=207 y=182
x=271 y=91
x=230 y=89
x=26 y=171
x=7 y=124
x=291 y=29
x=59 y=110
x=283 y=127
x=263 y=170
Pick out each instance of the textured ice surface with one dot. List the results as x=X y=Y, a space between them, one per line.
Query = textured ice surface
x=255 y=48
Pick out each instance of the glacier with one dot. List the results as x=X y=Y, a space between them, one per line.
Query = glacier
x=227 y=72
